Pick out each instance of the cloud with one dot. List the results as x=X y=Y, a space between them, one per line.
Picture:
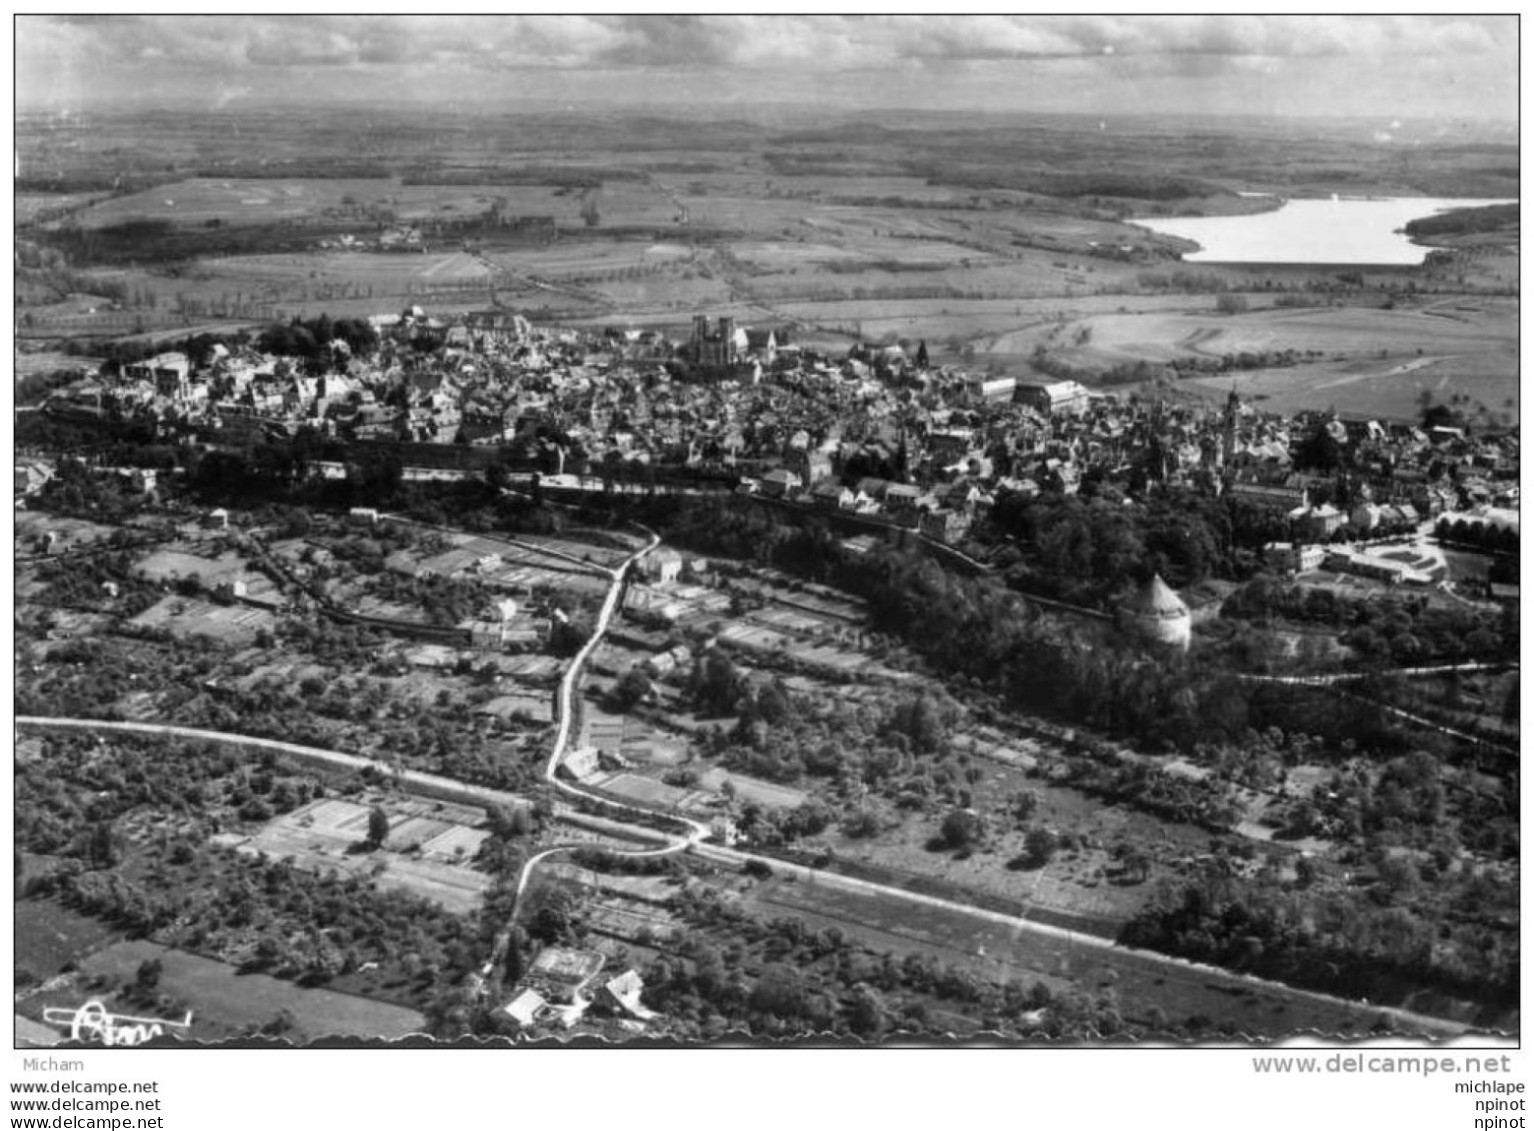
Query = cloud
x=750 y=41
x=887 y=52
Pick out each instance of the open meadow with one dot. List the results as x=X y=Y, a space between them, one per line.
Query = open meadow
x=227 y=1003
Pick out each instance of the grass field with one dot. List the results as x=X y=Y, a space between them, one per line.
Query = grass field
x=27 y=205
x=30 y=362
x=49 y=937
x=168 y=565
x=226 y=1004
x=1387 y=392
x=1346 y=332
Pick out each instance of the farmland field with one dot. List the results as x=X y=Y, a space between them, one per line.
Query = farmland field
x=1350 y=331
x=1367 y=361
x=200 y=199
x=183 y=616
x=1386 y=392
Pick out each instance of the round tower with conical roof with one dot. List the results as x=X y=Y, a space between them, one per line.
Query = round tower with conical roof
x=1157 y=614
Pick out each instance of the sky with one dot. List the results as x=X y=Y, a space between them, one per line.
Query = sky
x=1422 y=67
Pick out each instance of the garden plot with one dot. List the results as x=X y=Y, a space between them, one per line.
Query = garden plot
x=172 y=565
x=71 y=533
x=367 y=605
x=754 y=637
x=601 y=730
x=626 y=919
x=769 y=794
x=445 y=564
x=837 y=608
x=533 y=668
x=669 y=603
x=704 y=797
x=790 y=620
x=604 y=556
x=185 y=616
x=635 y=738
x=504 y=565
x=427 y=853
x=623 y=906
x=432 y=656
x=646 y=791
x=759 y=639
x=645 y=743
x=519 y=707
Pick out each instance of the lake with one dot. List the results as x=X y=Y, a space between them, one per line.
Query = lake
x=1355 y=231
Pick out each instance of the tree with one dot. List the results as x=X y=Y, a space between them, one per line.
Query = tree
x=717 y=684
x=962 y=829
x=146 y=979
x=555 y=921
x=1320 y=451
x=508 y=822
x=1134 y=864
x=866 y=1012
x=1039 y=847
x=378 y=826
x=630 y=690
x=1025 y=804
x=1400 y=876
x=103 y=845
x=515 y=966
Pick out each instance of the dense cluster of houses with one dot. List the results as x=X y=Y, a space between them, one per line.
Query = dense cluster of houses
x=564 y=983
x=879 y=431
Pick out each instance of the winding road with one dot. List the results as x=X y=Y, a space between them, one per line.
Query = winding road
x=696 y=831
x=692 y=835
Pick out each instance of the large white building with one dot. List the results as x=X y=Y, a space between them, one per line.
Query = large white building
x=1157 y=614
x=1054 y=398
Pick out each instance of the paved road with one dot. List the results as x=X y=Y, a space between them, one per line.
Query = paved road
x=428 y=784
x=695 y=831
x=692 y=836
x=1358 y=677
x=1110 y=952
x=693 y=841
x=1342 y=679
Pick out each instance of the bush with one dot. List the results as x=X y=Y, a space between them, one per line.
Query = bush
x=962 y=829
x=757 y=869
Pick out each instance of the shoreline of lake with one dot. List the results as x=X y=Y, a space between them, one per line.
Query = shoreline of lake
x=1326 y=231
